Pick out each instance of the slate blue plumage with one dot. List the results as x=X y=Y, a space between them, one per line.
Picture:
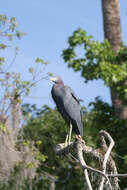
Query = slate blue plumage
x=68 y=105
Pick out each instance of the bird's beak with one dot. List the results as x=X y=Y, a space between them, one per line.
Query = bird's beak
x=54 y=79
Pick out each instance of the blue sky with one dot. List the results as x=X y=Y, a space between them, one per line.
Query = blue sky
x=48 y=24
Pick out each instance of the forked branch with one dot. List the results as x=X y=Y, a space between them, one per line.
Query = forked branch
x=103 y=157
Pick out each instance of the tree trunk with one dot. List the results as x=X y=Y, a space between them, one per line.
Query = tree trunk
x=15 y=114
x=112 y=32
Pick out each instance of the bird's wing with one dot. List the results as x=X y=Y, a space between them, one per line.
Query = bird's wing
x=73 y=109
x=73 y=94
x=71 y=104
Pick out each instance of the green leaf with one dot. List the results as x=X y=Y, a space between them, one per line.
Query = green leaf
x=50 y=74
x=19 y=34
x=2 y=46
x=31 y=165
x=38 y=60
x=31 y=69
x=3 y=128
x=41 y=157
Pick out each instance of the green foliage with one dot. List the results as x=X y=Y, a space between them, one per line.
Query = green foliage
x=2 y=46
x=31 y=165
x=2 y=60
x=24 y=158
x=3 y=128
x=47 y=128
x=41 y=157
x=38 y=60
x=10 y=81
x=31 y=69
x=9 y=29
x=102 y=117
x=99 y=61
x=50 y=74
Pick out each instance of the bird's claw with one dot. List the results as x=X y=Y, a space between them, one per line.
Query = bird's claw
x=78 y=137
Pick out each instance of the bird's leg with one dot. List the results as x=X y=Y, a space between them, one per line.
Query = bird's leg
x=70 y=131
x=66 y=139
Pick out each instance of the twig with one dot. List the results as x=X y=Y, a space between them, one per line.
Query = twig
x=106 y=156
x=117 y=175
x=83 y=164
x=12 y=62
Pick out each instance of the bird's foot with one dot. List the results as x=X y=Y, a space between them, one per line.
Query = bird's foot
x=78 y=137
x=67 y=143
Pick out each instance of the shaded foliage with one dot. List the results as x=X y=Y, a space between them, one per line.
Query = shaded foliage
x=48 y=127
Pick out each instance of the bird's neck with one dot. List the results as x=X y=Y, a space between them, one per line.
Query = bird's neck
x=60 y=83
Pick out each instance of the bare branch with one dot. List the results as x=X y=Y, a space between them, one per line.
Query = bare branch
x=83 y=163
x=13 y=60
x=117 y=175
x=60 y=149
x=106 y=156
x=102 y=155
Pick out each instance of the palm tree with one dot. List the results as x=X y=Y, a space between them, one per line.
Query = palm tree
x=112 y=32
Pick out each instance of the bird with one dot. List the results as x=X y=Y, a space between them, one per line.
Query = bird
x=69 y=107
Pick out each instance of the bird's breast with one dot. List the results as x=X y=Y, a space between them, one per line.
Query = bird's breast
x=57 y=91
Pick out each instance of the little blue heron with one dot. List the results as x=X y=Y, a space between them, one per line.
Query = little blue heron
x=69 y=107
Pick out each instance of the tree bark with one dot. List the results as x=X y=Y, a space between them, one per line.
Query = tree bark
x=112 y=32
x=15 y=114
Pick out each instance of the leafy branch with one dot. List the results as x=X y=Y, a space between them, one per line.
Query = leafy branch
x=99 y=61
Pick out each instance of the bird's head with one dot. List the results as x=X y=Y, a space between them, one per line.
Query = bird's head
x=56 y=79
